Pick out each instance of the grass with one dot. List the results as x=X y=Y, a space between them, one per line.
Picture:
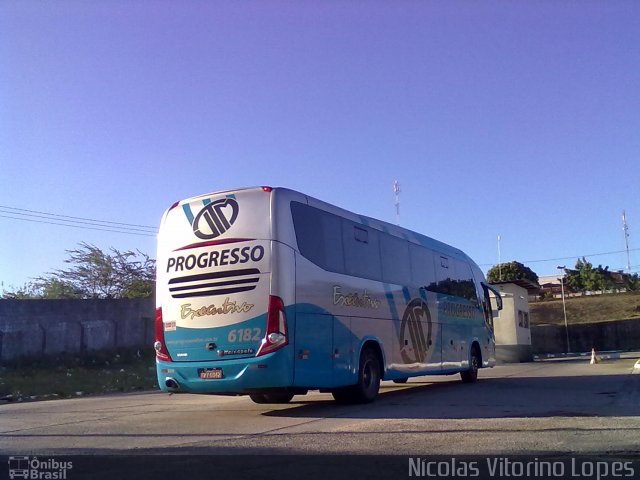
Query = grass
x=66 y=376
x=587 y=309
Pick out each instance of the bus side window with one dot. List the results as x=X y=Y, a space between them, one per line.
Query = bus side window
x=319 y=236
x=360 y=234
x=361 y=250
x=394 y=254
x=422 y=268
x=444 y=276
x=463 y=285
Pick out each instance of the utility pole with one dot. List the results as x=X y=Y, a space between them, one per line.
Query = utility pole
x=396 y=190
x=564 y=305
x=499 y=261
x=625 y=229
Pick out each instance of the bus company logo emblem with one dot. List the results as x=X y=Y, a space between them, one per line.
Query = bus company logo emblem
x=414 y=342
x=215 y=218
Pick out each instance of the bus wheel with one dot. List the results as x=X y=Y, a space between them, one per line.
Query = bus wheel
x=366 y=390
x=258 y=398
x=276 y=397
x=342 y=395
x=471 y=375
x=279 y=397
x=400 y=380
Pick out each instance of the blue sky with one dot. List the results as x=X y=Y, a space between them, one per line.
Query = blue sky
x=518 y=119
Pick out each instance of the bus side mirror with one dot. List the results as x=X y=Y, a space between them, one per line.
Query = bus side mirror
x=496 y=294
x=499 y=302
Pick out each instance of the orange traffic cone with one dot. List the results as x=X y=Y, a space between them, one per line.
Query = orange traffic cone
x=594 y=359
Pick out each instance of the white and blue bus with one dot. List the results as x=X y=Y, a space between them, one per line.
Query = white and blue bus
x=271 y=293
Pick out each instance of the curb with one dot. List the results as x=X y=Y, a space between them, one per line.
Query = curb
x=600 y=356
x=608 y=356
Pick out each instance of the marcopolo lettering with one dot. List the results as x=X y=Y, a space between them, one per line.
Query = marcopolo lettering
x=456 y=310
x=216 y=258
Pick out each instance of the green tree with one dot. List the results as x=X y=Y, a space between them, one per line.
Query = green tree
x=603 y=280
x=93 y=273
x=580 y=279
x=585 y=278
x=55 y=288
x=506 y=272
x=139 y=288
x=632 y=282
x=573 y=280
x=28 y=290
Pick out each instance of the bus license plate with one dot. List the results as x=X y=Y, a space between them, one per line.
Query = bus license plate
x=209 y=373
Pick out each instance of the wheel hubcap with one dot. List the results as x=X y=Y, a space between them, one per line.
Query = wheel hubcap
x=367 y=376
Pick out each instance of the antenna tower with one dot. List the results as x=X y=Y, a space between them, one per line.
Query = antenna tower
x=625 y=229
x=396 y=190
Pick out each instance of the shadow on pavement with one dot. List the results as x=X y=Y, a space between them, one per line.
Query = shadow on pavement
x=525 y=397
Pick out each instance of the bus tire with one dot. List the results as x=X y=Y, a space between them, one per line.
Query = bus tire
x=400 y=380
x=258 y=398
x=274 y=397
x=342 y=395
x=471 y=375
x=366 y=389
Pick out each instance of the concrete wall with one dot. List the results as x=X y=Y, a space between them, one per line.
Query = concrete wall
x=37 y=327
x=612 y=335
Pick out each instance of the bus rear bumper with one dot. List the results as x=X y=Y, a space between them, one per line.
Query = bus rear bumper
x=239 y=376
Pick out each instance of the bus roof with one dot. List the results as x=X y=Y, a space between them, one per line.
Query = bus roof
x=371 y=222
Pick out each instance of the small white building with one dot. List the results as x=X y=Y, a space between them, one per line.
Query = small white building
x=511 y=324
x=552 y=284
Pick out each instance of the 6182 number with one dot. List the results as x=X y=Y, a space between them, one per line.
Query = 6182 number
x=244 y=335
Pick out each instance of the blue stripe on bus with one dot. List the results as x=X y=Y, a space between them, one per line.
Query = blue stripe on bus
x=423 y=294
x=392 y=308
x=406 y=294
x=206 y=201
x=187 y=211
x=391 y=301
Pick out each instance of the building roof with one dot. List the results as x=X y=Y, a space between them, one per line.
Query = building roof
x=530 y=286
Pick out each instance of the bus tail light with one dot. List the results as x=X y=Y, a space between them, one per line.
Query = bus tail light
x=161 y=350
x=276 y=334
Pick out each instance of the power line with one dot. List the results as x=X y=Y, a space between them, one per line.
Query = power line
x=148 y=231
x=571 y=257
x=580 y=256
x=73 y=222
x=34 y=216
x=128 y=232
x=73 y=219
